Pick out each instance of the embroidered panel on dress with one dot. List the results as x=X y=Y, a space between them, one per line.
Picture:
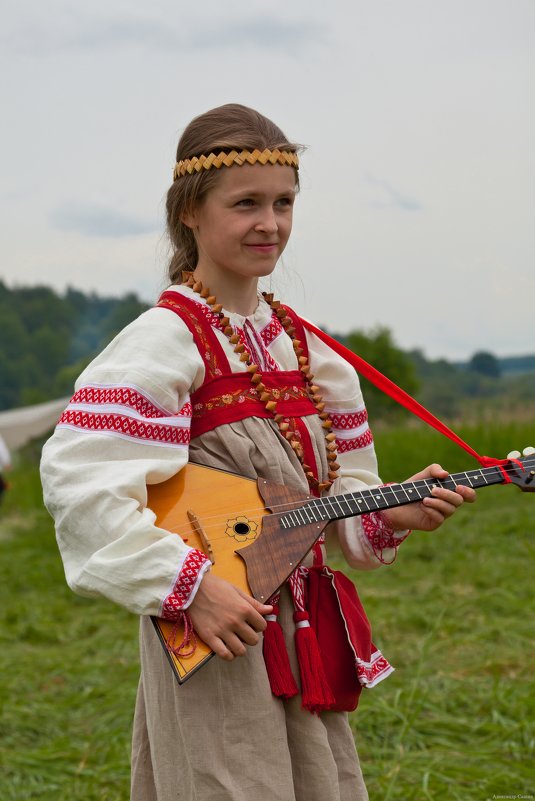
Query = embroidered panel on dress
x=256 y=342
x=216 y=363
x=232 y=398
x=125 y=411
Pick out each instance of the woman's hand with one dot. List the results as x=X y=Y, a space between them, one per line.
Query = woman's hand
x=226 y=618
x=430 y=513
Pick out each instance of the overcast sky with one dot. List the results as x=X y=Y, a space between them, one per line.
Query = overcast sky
x=417 y=208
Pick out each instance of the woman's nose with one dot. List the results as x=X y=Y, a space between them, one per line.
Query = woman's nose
x=267 y=222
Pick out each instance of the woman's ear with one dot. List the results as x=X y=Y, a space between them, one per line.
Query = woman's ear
x=189 y=219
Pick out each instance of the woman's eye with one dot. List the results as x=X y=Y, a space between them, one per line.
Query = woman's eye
x=247 y=201
x=284 y=201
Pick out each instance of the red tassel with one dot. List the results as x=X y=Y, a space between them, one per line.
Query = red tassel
x=316 y=694
x=278 y=668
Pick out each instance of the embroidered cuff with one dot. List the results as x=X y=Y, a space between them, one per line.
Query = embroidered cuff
x=382 y=536
x=186 y=585
x=372 y=672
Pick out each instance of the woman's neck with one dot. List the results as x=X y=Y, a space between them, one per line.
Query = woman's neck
x=236 y=293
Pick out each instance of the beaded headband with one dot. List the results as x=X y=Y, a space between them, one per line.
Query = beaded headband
x=223 y=159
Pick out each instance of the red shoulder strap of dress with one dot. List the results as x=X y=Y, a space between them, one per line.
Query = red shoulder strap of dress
x=299 y=329
x=197 y=317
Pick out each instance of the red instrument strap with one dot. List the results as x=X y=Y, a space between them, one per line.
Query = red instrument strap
x=403 y=398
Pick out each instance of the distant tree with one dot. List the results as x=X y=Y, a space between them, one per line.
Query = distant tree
x=485 y=363
x=378 y=348
x=126 y=310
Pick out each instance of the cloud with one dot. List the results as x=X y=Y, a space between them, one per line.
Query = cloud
x=94 y=220
x=390 y=197
x=123 y=32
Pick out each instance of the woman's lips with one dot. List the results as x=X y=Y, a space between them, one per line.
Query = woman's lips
x=263 y=247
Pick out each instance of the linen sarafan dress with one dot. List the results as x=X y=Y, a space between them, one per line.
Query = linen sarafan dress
x=221 y=736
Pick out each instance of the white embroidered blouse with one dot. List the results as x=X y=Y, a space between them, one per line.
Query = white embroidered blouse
x=128 y=425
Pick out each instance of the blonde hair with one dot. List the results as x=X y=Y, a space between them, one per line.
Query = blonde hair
x=228 y=127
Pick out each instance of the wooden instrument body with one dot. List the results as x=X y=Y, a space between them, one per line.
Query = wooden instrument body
x=197 y=504
x=190 y=490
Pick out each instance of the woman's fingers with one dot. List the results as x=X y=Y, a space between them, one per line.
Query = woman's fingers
x=228 y=644
x=226 y=618
x=443 y=503
x=430 y=513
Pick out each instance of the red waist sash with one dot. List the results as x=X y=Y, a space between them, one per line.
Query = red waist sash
x=232 y=397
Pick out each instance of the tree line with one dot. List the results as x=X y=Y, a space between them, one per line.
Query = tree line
x=48 y=338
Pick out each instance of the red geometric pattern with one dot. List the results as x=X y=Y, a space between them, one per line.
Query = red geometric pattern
x=348 y=420
x=260 y=340
x=271 y=331
x=186 y=581
x=369 y=673
x=380 y=535
x=125 y=426
x=247 y=395
x=123 y=396
x=296 y=583
x=212 y=318
x=255 y=345
x=362 y=441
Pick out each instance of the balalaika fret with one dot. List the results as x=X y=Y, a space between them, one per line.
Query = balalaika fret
x=256 y=533
x=350 y=504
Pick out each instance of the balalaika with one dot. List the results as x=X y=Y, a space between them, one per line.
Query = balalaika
x=257 y=532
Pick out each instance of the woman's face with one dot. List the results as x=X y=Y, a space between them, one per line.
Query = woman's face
x=243 y=224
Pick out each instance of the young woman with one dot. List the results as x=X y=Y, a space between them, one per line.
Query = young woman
x=219 y=375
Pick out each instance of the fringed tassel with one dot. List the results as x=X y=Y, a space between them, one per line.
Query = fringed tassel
x=316 y=694
x=188 y=644
x=280 y=675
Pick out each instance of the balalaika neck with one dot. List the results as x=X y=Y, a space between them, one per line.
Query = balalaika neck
x=350 y=504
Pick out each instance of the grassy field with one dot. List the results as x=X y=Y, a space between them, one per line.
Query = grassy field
x=453 y=614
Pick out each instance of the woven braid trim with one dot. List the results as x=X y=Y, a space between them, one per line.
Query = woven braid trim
x=223 y=159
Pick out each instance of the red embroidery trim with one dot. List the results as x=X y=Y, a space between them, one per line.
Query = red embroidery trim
x=184 y=584
x=261 y=339
x=363 y=441
x=216 y=363
x=380 y=535
x=348 y=420
x=127 y=426
x=369 y=672
x=255 y=346
x=271 y=331
x=124 y=396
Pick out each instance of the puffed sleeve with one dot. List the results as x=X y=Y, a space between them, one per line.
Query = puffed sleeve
x=127 y=425
x=366 y=541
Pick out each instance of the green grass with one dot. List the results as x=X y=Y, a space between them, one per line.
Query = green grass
x=453 y=614
x=69 y=669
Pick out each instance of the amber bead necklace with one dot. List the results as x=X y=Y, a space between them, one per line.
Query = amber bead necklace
x=265 y=394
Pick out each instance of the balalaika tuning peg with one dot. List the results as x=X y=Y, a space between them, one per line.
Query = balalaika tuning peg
x=514 y=455
x=529 y=451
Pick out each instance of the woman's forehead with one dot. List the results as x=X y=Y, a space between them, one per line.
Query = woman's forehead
x=257 y=178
